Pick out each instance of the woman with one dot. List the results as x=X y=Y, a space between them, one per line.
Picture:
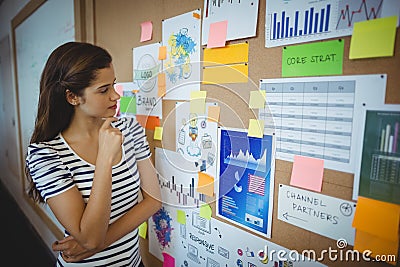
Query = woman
x=87 y=165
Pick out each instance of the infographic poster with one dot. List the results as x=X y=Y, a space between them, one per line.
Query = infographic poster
x=246 y=179
x=380 y=162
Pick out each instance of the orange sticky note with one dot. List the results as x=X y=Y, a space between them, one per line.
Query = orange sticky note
x=377 y=218
x=162 y=52
x=379 y=246
x=148 y=122
x=217 y=34
x=162 y=88
x=205 y=184
x=196 y=15
x=213 y=113
x=307 y=173
x=147 y=31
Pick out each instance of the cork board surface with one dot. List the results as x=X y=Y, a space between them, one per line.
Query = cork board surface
x=117 y=28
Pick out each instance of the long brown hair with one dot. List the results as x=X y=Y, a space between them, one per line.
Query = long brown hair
x=72 y=66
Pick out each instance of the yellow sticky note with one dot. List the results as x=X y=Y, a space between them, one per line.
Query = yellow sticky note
x=205 y=184
x=236 y=73
x=143 y=230
x=256 y=128
x=377 y=218
x=162 y=52
x=230 y=54
x=198 y=102
x=181 y=216
x=373 y=38
x=205 y=211
x=365 y=241
x=158 y=133
x=257 y=99
x=213 y=113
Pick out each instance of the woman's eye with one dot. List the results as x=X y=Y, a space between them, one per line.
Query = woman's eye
x=103 y=91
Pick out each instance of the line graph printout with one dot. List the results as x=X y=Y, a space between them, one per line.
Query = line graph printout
x=289 y=22
x=320 y=116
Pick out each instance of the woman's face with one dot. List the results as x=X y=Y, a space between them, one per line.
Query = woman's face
x=100 y=98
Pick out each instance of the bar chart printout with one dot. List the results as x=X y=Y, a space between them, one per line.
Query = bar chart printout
x=289 y=22
x=380 y=165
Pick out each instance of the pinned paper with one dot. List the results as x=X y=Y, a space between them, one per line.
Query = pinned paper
x=378 y=246
x=377 y=218
x=217 y=34
x=373 y=38
x=148 y=122
x=237 y=73
x=128 y=105
x=205 y=211
x=181 y=216
x=169 y=261
x=143 y=230
x=257 y=99
x=213 y=113
x=162 y=52
x=158 y=133
x=307 y=173
x=256 y=128
x=198 y=102
x=147 y=31
x=205 y=184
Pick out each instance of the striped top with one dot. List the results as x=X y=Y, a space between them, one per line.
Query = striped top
x=55 y=168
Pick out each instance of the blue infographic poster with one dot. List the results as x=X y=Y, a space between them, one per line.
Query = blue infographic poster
x=246 y=179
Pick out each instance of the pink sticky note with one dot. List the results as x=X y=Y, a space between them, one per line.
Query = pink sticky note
x=169 y=261
x=120 y=91
x=147 y=31
x=217 y=34
x=307 y=173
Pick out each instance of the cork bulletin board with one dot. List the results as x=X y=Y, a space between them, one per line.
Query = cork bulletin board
x=116 y=26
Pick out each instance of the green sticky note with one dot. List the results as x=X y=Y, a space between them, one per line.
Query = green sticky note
x=205 y=211
x=181 y=216
x=143 y=230
x=320 y=58
x=128 y=104
x=373 y=38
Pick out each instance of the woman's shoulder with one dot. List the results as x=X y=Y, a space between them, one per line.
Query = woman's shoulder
x=50 y=146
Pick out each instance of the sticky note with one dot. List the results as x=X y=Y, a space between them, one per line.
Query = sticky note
x=128 y=104
x=146 y=31
x=257 y=99
x=256 y=128
x=378 y=246
x=377 y=218
x=162 y=52
x=158 y=133
x=307 y=173
x=205 y=211
x=373 y=38
x=213 y=113
x=148 y=122
x=143 y=230
x=169 y=261
x=312 y=59
x=217 y=34
x=230 y=54
x=236 y=73
x=196 y=15
x=198 y=102
x=205 y=184
x=161 y=84
x=181 y=216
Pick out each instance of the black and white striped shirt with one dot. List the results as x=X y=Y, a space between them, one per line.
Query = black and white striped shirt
x=55 y=168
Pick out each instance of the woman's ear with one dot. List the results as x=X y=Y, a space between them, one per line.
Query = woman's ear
x=71 y=97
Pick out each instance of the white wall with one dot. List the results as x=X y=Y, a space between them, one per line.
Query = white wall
x=11 y=173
